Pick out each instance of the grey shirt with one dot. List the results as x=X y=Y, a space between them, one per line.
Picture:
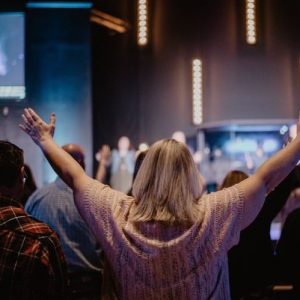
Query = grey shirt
x=54 y=205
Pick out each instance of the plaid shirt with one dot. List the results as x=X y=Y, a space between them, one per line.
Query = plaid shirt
x=32 y=264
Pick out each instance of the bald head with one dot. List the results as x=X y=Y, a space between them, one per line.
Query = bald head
x=76 y=152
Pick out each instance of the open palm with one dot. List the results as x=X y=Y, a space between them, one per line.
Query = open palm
x=36 y=127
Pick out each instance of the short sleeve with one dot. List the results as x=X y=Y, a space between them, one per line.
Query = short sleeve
x=226 y=209
x=102 y=208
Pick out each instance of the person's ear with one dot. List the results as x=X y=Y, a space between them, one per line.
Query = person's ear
x=22 y=176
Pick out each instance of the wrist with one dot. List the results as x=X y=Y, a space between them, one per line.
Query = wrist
x=103 y=162
x=43 y=142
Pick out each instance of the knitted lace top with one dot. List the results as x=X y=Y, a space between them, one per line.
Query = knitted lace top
x=154 y=260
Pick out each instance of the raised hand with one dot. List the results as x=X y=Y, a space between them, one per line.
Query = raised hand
x=105 y=152
x=36 y=128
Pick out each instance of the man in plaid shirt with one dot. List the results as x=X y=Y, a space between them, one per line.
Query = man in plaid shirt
x=32 y=264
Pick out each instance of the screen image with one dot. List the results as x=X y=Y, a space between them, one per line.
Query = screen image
x=12 y=83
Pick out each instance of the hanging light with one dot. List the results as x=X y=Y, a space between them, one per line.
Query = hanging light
x=197 y=92
x=251 y=33
x=142 y=23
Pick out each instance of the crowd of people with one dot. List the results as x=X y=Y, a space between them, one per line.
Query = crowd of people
x=144 y=227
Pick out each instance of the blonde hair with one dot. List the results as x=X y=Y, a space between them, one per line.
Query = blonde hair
x=167 y=185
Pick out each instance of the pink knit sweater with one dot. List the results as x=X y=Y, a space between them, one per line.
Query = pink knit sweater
x=157 y=261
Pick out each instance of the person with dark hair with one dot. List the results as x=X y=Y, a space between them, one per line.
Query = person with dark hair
x=32 y=264
x=138 y=162
x=54 y=205
x=251 y=261
x=232 y=178
x=168 y=241
x=287 y=251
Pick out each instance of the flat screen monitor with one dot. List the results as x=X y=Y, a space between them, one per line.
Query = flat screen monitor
x=12 y=82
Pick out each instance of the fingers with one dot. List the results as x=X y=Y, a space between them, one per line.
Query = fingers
x=52 y=123
x=28 y=116
x=33 y=114
x=106 y=148
x=35 y=127
x=27 y=124
x=23 y=128
x=31 y=117
x=52 y=119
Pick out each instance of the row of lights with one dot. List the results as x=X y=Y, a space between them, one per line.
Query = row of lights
x=250 y=22
x=142 y=40
x=197 y=92
x=142 y=32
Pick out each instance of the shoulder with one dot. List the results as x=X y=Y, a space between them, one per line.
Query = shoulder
x=40 y=193
x=223 y=197
x=43 y=239
x=24 y=239
x=98 y=200
x=95 y=189
x=30 y=233
x=43 y=194
x=224 y=205
x=115 y=153
x=29 y=226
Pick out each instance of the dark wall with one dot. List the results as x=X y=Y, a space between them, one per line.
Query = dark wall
x=58 y=71
x=146 y=93
x=115 y=80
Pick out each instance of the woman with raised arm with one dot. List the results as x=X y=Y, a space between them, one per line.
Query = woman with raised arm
x=167 y=241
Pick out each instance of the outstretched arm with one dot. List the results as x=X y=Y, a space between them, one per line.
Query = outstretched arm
x=269 y=175
x=63 y=164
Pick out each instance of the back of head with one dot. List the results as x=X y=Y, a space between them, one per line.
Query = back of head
x=138 y=162
x=232 y=178
x=167 y=186
x=11 y=162
x=76 y=152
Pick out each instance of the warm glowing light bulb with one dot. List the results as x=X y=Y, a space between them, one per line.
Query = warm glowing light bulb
x=251 y=40
x=143 y=147
x=142 y=30
x=250 y=22
x=197 y=92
